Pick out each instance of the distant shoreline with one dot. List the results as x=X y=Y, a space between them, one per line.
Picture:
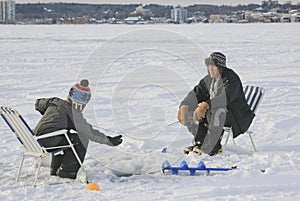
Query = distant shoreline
x=84 y=13
x=138 y=2
x=167 y=3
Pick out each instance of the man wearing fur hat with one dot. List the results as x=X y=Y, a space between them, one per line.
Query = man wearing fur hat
x=216 y=101
x=61 y=114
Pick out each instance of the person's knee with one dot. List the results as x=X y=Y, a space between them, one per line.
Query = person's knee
x=218 y=119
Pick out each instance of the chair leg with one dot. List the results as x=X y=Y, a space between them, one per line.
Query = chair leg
x=227 y=138
x=226 y=141
x=233 y=140
x=83 y=180
x=75 y=153
x=252 y=141
x=73 y=149
x=230 y=134
x=37 y=171
x=19 y=171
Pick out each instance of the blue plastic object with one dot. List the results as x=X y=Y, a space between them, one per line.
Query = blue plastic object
x=164 y=150
x=184 y=166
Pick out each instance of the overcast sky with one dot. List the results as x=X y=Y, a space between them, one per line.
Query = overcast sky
x=162 y=2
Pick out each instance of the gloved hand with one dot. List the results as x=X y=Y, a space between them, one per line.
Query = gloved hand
x=115 y=141
x=183 y=114
x=199 y=113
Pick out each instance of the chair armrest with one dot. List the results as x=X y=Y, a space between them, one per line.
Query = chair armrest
x=52 y=134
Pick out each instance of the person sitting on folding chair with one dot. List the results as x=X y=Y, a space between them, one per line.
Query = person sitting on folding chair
x=217 y=101
x=61 y=114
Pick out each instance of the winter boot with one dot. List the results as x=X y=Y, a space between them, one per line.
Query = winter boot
x=66 y=174
x=188 y=149
x=197 y=149
x=217 y=149
x=194 y=148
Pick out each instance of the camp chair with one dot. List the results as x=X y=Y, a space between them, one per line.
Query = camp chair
x=31 y=142
x=253 y=97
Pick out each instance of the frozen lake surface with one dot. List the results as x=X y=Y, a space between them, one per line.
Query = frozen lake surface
x=138 y=76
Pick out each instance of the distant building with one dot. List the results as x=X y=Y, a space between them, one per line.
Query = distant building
x=179 y=14
x=7 y=12
x=134 y=20
x=218 y=18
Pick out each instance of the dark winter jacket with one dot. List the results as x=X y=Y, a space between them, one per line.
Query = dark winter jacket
x=58 y=114
x=239 y=114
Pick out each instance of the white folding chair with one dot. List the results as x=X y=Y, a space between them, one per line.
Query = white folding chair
x=253 y=97
x=30 y=142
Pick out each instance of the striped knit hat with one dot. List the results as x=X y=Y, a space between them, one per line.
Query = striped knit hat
x=216 y=58
x=80 y=94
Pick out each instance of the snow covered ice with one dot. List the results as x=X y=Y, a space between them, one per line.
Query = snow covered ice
x=138 y=76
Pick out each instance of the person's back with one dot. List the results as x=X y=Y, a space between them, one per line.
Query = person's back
x=55 y=113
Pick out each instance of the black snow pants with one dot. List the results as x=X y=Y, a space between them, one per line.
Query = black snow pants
x=67 y=161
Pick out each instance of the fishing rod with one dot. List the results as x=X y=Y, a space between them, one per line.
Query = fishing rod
x=114 y=131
